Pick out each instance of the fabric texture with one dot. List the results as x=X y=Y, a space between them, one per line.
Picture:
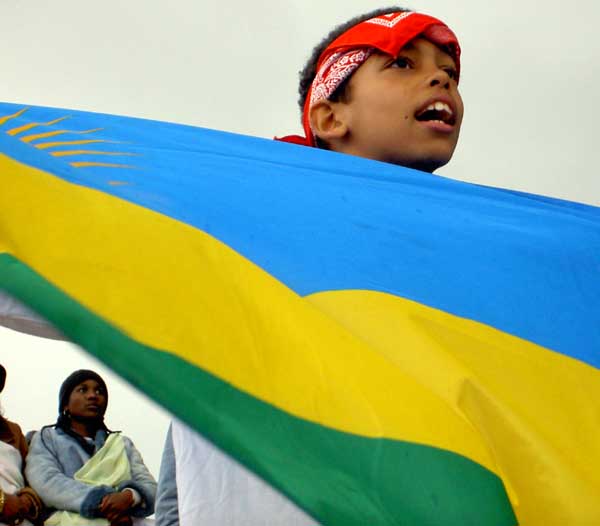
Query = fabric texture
x=108 y=467
x=167 y=511
x=215 y=489
x=11 y=477
x=55 y=458
x=13 y=450
x=303 y=293
x=14 y=315
x=334 y=72
x=11 y=433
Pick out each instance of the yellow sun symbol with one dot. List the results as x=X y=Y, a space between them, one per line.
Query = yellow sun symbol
x=20 y=133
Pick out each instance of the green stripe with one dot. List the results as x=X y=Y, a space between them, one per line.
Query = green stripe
x=339 y=478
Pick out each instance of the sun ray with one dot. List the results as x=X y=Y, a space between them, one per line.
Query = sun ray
x=64 y=153
x=29 y=126
x=6 y=118
x=33 y=137
x=84 y=164
x=44 y=145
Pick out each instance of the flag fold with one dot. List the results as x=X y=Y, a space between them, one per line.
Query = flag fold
x=380 y=345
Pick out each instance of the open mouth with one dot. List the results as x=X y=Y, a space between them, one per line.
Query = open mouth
x=437 y=112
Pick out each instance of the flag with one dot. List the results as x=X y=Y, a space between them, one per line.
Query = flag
x=381 y=345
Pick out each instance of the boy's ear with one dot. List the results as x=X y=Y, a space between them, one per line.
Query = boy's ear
x=327 y=121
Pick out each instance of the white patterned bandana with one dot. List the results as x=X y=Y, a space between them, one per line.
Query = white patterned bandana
x=334 y=71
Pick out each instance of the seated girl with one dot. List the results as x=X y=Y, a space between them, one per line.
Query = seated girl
x=84 y=471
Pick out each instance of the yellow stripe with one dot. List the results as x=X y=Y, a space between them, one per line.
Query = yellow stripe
x=232 y=319
x=29 y=126
x=6 y=118
x=538 y=410
x=44 y=145
x=86 y=164
x=357 y=361
x=29 y=138
x=63 y=153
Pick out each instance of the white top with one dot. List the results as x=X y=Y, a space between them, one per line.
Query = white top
x=212 y=489
x=11 y=475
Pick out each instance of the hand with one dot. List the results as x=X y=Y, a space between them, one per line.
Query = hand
x=114 y=505
x=122 y=520
x=14 y=509
x=28 y=506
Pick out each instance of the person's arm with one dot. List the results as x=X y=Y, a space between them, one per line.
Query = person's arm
x=12 y=510
x=141 y=481
x=45 y=475
x=32 y=505
x=167 y=510
x=25 y=502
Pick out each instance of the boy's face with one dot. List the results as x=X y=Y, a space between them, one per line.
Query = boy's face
x=385 y=108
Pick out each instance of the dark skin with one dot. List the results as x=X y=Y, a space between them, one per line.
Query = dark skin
x=15 y=507
x=87 y=405
x=115 y=506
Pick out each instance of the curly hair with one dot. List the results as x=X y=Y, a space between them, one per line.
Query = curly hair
x=308 y=73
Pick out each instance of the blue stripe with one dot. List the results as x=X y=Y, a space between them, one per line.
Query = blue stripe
x=525 y=264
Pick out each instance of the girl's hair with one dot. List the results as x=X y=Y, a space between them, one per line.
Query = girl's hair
x=308 y=73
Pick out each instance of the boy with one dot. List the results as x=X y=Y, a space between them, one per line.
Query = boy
x=384 y=86
x=381 y=86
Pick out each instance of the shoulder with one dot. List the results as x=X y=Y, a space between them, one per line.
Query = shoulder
x=13 y=435
x=46 y=439
x=49 y=433
x=126 y=440
x=14 y=428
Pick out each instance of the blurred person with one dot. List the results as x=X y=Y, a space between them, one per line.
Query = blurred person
x=19 y=504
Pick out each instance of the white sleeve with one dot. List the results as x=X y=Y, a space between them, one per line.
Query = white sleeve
x=212 y=488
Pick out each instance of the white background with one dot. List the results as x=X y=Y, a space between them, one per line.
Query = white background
x=530 y=81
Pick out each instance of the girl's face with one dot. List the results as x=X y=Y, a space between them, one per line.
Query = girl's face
x=87 y=400
x=405 y=110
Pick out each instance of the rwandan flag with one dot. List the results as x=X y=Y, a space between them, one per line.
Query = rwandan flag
x=383 y=346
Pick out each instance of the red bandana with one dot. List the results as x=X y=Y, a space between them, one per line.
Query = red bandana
x=386 y=33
